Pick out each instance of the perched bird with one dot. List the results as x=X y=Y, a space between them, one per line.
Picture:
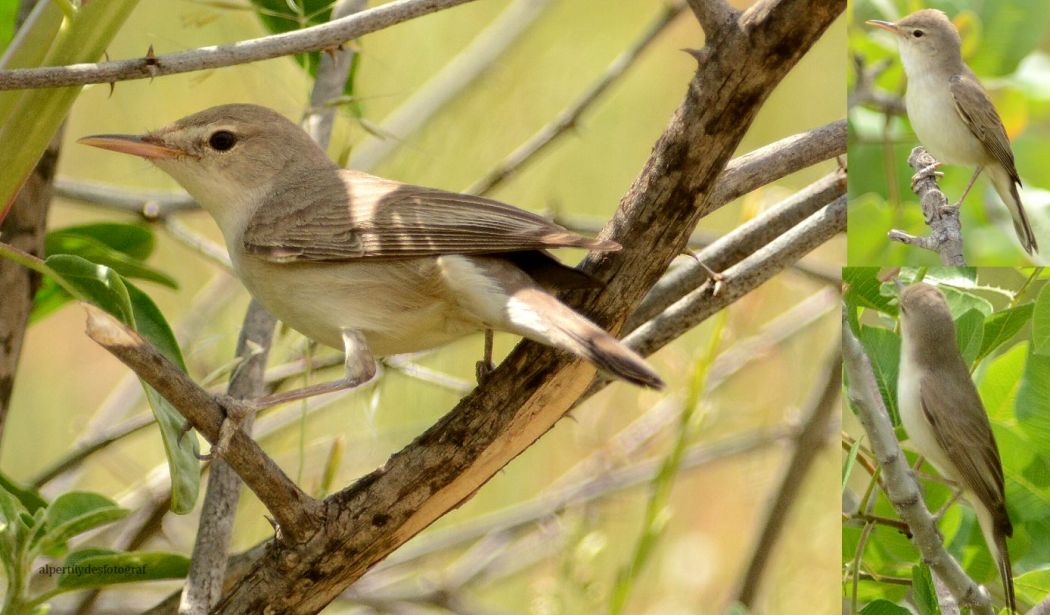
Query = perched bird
x=946 y=420
x=369 y=265
x=952 y=114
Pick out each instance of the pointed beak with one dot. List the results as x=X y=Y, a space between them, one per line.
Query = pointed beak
x=146 y=146
x=889 y=26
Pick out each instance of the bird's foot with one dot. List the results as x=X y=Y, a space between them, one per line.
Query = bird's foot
x=925 y=173
x=482 y=369
x=237 y=411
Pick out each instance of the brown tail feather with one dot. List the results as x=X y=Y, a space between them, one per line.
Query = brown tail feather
x=541 y=317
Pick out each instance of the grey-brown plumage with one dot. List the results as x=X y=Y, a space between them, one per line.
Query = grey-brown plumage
x=951 y=112
x=370 y=265
x=946 y=420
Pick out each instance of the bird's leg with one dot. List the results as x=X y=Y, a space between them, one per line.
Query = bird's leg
x=977 y=172
x=483 y=367
x=360 y=368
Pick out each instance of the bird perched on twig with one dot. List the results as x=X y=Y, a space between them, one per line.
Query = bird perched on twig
x=370 y=265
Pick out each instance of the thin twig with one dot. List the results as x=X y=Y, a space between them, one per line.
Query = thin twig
x=316 y=38
x=740 y=279
x=811 y=441
x=570 y=117
x=732 y=247
x=456 y=76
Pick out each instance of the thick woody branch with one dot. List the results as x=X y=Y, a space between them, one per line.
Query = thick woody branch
x=945 y=236
x=295 y=512
x=898 y=480
x=535 y=385
x=317 y=38
x=714 y=15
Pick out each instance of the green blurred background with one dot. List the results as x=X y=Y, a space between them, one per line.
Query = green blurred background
x=1007 y=43
x=716 y=509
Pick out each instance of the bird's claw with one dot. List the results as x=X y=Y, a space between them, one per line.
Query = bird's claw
x=482 y=369
x=926 y=173
x=237 y=410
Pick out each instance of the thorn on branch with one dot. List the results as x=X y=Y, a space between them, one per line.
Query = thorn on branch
x=151 y=62
x=700 y=55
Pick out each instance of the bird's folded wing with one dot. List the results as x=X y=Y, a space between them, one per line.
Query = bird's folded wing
x=977 y=111
x=964 y=433
x=345 y=215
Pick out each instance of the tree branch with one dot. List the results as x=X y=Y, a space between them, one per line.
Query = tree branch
x=316 y=38
x=945 y=236
x=296 y=513
x=811 y=440
x=714 y=16
x=898 y=481
x=740 y=279
x=734 y=246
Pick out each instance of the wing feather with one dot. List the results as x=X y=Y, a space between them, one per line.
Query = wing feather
x=963 y=431
x=976 y=109
x=370 y=217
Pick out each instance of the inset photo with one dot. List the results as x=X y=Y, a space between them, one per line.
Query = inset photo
x=949 y=133
x=952 y=366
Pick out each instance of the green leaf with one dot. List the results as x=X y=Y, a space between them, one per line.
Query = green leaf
x=960 y=302
x=94 y=250
x=105 y=288
x=8 y=8
x=923 y=592
x=1033 y=401
x=969 y=330
x=134 y=240
x=851 y=460
x=98 y=283
x=883 y=607
x=48 y=298
x=29 y=118
x=94 y=569
x=1041 y=322
x=183 y=464
x=864 y=289
x=884 y=349
x=29 y=498
x=74 y=513
x=1001 y=327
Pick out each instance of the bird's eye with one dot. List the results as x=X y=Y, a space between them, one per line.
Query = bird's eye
x=222 y=140
x=917 y=33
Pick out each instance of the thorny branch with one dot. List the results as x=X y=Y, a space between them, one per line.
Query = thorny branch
x=316 y=38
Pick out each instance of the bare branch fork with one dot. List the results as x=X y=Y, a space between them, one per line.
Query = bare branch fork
x=945 y=236
x=898 y=481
